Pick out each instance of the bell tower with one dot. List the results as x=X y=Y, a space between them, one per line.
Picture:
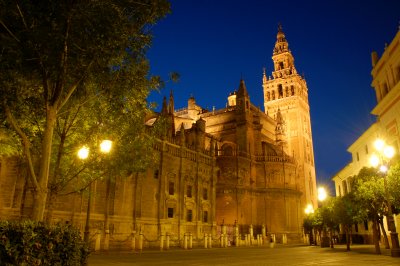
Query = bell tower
x=286 y=98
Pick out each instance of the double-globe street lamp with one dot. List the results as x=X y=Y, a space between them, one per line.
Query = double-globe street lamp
x=83 y=154
x=381 y=159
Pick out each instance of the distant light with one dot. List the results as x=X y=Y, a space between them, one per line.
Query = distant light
x=309 y=209
x=83 y=152
x=105 y=146
x=374 y=160
x=383 y=168
x=388 y=151
x=322 y=195
x=379 y=144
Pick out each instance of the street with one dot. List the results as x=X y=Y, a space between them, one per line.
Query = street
x=280 y=255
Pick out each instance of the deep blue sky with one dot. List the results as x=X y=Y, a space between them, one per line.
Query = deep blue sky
x=213 y=43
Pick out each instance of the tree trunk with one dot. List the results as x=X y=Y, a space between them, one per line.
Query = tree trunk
x=375 y=236
x=347 y=238
x=40 y=195
x=331 y=238
x=387 y=246
x=50 y=206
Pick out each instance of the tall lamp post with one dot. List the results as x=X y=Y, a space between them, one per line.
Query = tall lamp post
x=308 y=211
x=322 y=196
x=381 y=159
x=83 y=154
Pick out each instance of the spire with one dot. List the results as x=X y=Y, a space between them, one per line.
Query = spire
x=171 y=107
x=264 y=76
x=281 y=44
x=182 y=134
x=164 y=109
x=242 y=91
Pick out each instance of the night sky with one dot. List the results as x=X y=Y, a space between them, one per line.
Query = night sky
x=213 y=43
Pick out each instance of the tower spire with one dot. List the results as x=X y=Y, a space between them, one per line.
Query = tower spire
x=171 y=107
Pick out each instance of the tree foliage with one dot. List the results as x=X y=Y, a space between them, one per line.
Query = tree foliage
x=74 y=72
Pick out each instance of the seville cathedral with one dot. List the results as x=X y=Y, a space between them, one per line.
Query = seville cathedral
x=238 y=171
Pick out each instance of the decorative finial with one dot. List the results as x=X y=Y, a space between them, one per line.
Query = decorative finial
x=279 y=27
x=264 y=71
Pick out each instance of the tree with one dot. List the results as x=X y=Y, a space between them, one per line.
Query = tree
x=370 y=194
x=348 y=211
x=330 y=218
x=58 y=56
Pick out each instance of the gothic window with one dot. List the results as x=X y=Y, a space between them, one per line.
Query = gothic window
x=189 y=215
x=189 y=191
x=287 y=92
x=205 y=216
x=280 y=91
x=273 y=95
x=268 y=96
x=205 y=193
x=292 y=90
x=227 y=150
x=171 y=188
x=280 y=65
x=358 y=157
x=247 y=104
x=366 y=149
x=170 y=213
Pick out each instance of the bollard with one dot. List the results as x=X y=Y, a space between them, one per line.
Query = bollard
x=205 y=240
x=210 y=241
x=263 y=231
x=226 y=240
x=161 y=242
x=251 y=238
x=106 y=240
x=98 y=241
x=258 y=240
x=237 y=240
x=185 y=241
x=221 y=240
x=140 y=246
x=133 y=243
x=167 y=242
x=284 y=239
x=190 y=241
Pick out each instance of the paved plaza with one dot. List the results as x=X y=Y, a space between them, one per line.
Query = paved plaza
x=280 y=255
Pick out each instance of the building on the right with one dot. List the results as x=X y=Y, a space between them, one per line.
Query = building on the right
x=386 y=83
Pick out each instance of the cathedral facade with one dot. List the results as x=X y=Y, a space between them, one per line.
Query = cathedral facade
x=234 y=170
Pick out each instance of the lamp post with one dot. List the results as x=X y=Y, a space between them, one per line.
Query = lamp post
x=322 y=196
x=308 y=211
x=83 y=154
x=381 y=159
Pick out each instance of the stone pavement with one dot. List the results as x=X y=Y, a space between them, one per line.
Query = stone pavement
x=280 y=255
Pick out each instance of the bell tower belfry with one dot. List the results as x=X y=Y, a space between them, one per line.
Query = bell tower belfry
x=286 y=96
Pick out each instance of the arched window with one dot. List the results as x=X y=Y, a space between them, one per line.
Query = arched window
x=273 y=95
x=292 y=90
x=227 y=150
x=280 y=91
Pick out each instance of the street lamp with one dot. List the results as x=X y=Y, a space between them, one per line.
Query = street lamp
x=322 y=195
x=381 y=159
x=309 y=209
x=83 y=154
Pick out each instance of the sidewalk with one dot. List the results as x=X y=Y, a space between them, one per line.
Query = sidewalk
x=281 y=255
